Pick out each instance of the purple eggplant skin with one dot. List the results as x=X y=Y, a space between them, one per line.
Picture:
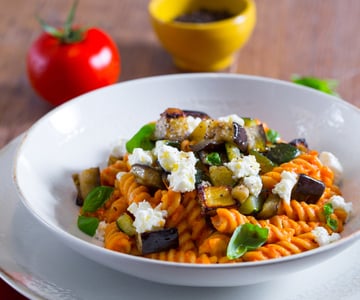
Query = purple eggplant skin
x=157 y=241
x=240 y=137
x=308 y=189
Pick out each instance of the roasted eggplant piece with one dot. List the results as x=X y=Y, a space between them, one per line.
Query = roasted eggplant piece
x=300 y=143
x=173 y=124
x=270 y=207
x=256 y=138
x=307 y=189
x=85 y=181
x=157 y=241
x=240 y=137
x=148 y=176
x=282 y=152
x=213 y=197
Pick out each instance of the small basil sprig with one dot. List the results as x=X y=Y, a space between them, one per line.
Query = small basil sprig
x=327 y=86
x=272 y=136
x=88 y=225
x=213 y=159
x=328 y=210
x=96 y=198
x=246 y=237
x=142 y=139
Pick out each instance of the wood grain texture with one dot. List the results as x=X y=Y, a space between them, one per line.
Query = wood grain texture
x=307 y=37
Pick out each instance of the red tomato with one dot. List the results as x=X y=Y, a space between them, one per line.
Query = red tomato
x=59 y=71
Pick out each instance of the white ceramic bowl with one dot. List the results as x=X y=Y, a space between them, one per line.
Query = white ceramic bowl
x=81 y=133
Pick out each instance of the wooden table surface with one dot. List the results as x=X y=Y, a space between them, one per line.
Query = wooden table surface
x=307 y=37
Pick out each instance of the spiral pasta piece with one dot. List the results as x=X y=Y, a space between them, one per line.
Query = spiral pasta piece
x=182 y=256
x=116 y=240
x=297 y=244
x=302 y=211
x=108 y=174
x=133 y=191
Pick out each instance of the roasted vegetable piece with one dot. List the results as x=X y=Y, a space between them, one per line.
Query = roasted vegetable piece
x=125 y=223
x=307 y=189
x=148 y=176
x=256 y=137
x=221 y=175
x=86 y=181
x=251 y=205
x=240 y=137
x=270 y=207
x=173 y=124
x=282 y=152
x=213 y=197
x=266 y=165
x=157 y=241
x=300 y=144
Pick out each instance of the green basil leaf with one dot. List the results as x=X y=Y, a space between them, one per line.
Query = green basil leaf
x=88 y=225
x=96 y=198
x=272 y=136
x=327 y=86
x=328 y=210
x=142 y=139
x=246 y=237
x=213 y=159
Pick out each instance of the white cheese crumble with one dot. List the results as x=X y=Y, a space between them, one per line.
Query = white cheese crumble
x=232 y=118
x=322 y=237
x=254 y=184
x=100 y=231
x=285 y=186
x=141 y=156
x=119 y=150
x=243 y=166
x=180 y=164
x=338 y=202
x=192 y=123
x=331 y=161
x=146 y=217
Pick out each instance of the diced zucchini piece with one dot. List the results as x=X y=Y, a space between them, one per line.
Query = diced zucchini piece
x=232 y=151
x=221 y=175
x=125 y=223
x=213 y=197
x=266 y=165
x=157 y=241
x=282 y=153
x=270 y=207
x=251 y=205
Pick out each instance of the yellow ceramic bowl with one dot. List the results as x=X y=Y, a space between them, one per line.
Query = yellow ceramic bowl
x=202 y=46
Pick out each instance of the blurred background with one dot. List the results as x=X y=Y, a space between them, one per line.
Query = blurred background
x=308 y=37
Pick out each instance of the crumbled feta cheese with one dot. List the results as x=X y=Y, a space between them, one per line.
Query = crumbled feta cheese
x=181 y=166
x=100 y=231
x=146 y=217
x=141 y=156
x=338 y=202
x=232 y=118
x=254 y=184
x=285 y=186
x=192 y=123
x=330 y=160
x=322 y=237
x=243 y=166
x=119 y=175
x=119 y=150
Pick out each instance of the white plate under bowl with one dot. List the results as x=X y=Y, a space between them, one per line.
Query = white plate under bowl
x=81 y=133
